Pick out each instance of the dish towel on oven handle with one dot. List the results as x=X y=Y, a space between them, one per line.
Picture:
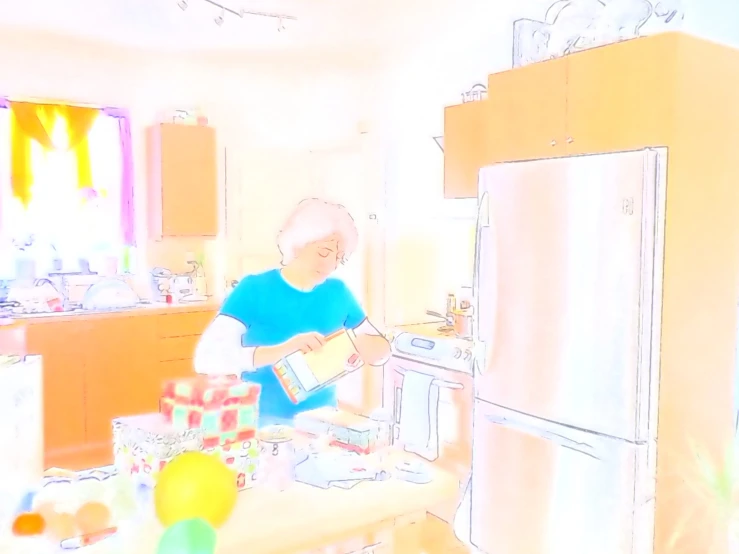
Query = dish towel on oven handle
x=419 y=415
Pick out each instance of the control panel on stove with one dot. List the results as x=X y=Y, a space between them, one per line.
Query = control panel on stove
x=443 y=351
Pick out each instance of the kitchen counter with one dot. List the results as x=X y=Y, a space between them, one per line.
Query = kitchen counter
x=430 y=330
x=154 y=308
x=305 y=518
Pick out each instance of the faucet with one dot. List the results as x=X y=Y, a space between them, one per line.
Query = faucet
x=195 y=266
x=447 y=319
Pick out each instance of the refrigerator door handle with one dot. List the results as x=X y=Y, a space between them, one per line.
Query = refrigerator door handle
x=581 y=447
x=476 y=267
x=483 y=346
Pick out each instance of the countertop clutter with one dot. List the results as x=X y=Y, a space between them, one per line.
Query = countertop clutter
x=143 y=308
x=304 y=518
x=353 y=502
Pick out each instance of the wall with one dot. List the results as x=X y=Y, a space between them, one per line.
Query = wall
x=289 y=127
x=269 y=113
x=429 y=240
x=714 y=20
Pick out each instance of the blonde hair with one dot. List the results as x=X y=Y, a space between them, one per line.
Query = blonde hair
x=312 y=220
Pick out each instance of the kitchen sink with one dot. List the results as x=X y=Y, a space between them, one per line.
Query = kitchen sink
x=78 y=311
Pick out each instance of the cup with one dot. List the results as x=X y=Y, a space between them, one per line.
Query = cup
x=383 y=447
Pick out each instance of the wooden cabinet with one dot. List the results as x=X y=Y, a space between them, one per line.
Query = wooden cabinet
x=120 y=363
x=63 y=347
x=176 y=338
x=621 y=96
x=181 y=324
x=98 y=367
x=464 y=148
x=527 y=112
x=612 y=98
x=524 y=117
x=183 y=181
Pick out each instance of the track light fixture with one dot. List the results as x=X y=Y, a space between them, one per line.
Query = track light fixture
x=239 y=13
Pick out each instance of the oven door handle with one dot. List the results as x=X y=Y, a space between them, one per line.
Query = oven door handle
x=441 y=383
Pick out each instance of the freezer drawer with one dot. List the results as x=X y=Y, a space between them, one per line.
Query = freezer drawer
x=541 y=488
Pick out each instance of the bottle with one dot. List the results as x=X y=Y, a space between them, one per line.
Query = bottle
x=197 y=276
x=201 y=285
x=199 y=282
x=451 y=304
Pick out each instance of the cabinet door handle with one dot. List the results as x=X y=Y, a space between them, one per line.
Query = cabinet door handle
x=570 y=140
x=553 y=143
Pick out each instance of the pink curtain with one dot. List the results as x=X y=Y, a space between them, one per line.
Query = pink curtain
x=127 y=194
x=4 y=105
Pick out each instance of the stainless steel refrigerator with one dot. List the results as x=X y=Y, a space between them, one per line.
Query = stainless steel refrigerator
x=568 y=296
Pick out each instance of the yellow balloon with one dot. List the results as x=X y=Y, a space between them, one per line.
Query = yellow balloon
x=195 y=485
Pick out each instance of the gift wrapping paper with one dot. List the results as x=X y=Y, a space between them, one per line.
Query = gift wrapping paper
x=144 y=445
x=225 y=408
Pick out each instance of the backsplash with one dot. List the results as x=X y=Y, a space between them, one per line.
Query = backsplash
x=423 y=265
x=171 y=253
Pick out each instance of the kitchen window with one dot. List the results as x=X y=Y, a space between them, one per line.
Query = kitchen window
x=66 y=198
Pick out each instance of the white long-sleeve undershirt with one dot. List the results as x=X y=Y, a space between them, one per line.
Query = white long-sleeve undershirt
x=220 y=350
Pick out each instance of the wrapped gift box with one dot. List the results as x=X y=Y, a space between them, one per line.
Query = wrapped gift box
x=144 y=444
x=225 y=408
x=349 y=431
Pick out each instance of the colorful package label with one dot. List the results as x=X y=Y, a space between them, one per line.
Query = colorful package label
x=143 y=469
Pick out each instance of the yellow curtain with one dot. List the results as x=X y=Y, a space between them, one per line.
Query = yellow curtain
x=28 y=122
x=35 y=122
x=79 y=122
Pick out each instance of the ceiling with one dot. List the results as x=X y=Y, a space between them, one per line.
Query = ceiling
x=339 y=25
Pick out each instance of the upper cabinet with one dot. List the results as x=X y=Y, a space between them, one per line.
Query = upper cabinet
x=464 y=148
x=616 y=97
x=621 y=96
x=183 y=181
x=527 y=112
x=524 y=117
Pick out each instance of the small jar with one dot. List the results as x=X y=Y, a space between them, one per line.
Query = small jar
x=276 y=457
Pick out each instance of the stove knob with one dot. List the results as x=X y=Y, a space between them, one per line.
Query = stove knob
x=468 y=354
x=457 y=353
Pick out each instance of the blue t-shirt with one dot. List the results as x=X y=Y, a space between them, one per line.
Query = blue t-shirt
x=273 y=312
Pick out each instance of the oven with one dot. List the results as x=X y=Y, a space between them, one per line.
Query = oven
x=449 y=361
